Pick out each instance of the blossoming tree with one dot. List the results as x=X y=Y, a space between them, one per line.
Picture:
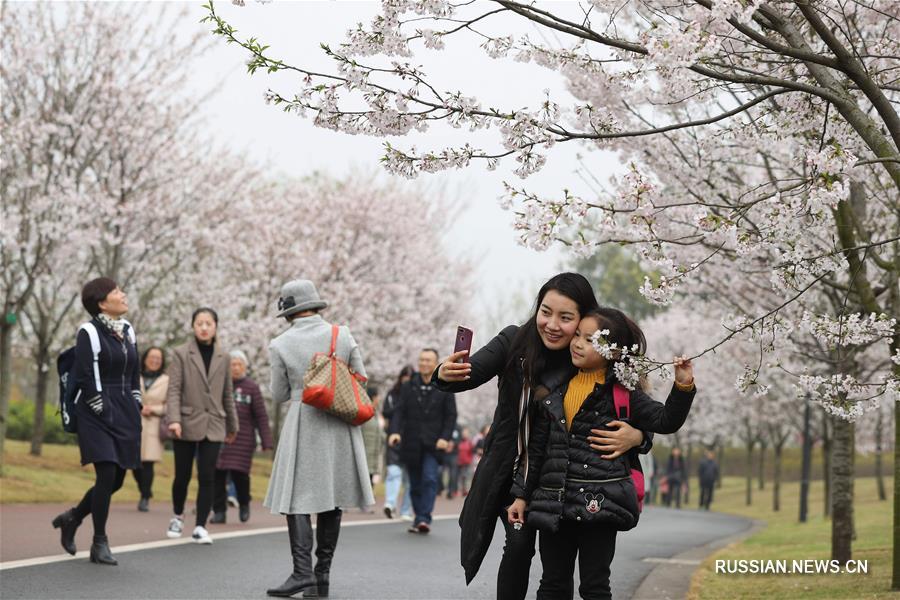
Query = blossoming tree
x=761 y=140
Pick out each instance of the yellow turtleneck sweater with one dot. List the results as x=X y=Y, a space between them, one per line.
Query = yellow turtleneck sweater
x=580 y=387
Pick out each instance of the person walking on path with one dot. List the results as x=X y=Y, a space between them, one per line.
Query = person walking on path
x=320 y=465
x=520 y=357
x=201 y=414
x=423 y=425
x=397 y=474
x=709 y=473
x=675 y=476
x=236 y=459
x=109 y=413
x=374 y=438
x=464 y=460
x=154 y=386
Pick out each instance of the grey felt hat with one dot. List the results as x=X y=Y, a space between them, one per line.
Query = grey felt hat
x=299 y=295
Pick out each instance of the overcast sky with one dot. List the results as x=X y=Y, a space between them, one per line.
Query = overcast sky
x=292 y=145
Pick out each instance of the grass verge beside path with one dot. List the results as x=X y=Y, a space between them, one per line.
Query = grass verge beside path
x=57 y=476
x=785 y=538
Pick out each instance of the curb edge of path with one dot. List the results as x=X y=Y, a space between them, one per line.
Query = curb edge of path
x=670 y=580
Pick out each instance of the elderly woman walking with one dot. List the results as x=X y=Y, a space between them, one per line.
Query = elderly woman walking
x=320 y=465
x=235 y=460
x=154 y=386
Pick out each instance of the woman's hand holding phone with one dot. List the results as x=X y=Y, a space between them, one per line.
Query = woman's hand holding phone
x=451 y=370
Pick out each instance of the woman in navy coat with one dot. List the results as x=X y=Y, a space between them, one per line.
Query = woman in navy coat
x=108 y=411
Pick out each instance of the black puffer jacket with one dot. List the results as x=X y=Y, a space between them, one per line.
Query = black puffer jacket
x=566 y=479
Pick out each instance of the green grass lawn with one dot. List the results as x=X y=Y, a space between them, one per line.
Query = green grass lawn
x=785 y=538
x=57 y=476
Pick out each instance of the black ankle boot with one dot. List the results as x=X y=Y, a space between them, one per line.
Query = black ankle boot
x=67 y=523
x=100 y=552
x=328 y=528
x=302 y=579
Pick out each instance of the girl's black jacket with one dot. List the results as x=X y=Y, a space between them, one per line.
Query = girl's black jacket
x=566 y=479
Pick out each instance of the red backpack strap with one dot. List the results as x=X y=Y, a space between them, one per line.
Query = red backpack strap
x=334 y=337
x=622 y=401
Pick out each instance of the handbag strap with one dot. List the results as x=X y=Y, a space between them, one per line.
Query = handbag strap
x=334 y=337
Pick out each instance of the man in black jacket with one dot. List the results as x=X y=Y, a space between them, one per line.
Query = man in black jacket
x=423 y=424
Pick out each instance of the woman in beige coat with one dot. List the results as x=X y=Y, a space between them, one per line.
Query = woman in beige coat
x=201 y=416
x=154 y=385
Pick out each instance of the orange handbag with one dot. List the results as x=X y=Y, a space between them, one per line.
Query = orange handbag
x=331 y=385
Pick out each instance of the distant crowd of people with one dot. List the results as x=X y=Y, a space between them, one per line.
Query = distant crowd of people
x=561 y=455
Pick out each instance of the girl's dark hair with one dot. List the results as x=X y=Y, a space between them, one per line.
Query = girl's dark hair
x=623 y=332
x=162 y=367
x=94 y=292
x=527 y=342
x=406 y=371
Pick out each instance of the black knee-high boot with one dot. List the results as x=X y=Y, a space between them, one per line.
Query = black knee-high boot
x=302 y=578
x=328 y=528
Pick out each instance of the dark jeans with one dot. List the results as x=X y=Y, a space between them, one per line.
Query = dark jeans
x=594 y=546
x=241 y=486
x=423 y=484
x=108 y=479
x=452 y=475
x=144 y=479
x=207 y=453
x=674 y=494
x=706 y=494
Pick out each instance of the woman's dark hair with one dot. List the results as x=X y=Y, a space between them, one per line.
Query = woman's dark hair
x=146 y=353
x=406 y=371
x=527 y=342
x=210 y=312
x=207 y=310
x=94 y=292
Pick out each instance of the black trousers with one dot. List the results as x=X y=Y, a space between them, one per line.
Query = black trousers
x=241 y=486
x=594 y=546
x=674 y=494
x=108 y=479
x=207 y=453
x=144 y=479
x=512 y=576
x=706 y=494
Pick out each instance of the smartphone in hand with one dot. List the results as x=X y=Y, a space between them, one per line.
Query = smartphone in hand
x=464 y=337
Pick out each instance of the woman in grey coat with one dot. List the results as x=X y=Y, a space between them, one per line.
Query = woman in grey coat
x=320 y=464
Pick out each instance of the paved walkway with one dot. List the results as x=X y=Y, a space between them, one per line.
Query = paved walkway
x=376 y=559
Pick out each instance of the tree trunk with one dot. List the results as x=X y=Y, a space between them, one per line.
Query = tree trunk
x=763 y=446
x=40 y=400
x=826 y=460
x=879 y=451
x=749 y=498
x=806 y=465
x=776 y=477
x=842 y=491
x=6 y=334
